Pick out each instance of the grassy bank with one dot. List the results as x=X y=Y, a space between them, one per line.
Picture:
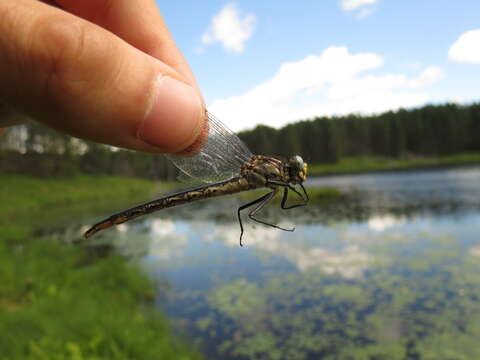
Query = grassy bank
x=376 y=163
x=22 y=195
x=55 y=302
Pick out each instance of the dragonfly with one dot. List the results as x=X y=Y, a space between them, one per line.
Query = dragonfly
x=224 y=165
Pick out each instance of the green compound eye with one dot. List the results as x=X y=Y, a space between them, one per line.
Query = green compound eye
x=296 y=163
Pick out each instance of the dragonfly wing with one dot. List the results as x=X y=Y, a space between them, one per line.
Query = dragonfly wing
x=220 y=158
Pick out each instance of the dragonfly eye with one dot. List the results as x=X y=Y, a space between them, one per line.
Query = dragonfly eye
x=296 y=164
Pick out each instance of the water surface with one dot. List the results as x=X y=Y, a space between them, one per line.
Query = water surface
x=389 y=272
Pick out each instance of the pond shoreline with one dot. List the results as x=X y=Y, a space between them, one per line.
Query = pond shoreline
x=401 y=170
x=384 y=165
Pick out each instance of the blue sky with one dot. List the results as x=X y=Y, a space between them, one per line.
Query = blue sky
x=276 y=62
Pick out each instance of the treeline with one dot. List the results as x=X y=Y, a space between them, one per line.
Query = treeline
x=34 y=149
x=427 y=131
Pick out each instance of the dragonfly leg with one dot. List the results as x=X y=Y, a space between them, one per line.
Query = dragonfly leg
x=286 y=186
x=305 y=192
x=284 y=200
x=260 y=206
x=262 y=199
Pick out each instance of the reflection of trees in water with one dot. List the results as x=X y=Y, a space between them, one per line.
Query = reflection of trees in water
x=439 y=192
x=360 y=206
x=423 y=305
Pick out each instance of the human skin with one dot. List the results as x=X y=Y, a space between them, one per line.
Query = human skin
x=102 y=70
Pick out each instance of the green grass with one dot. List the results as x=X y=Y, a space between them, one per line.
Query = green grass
x=376 y=163
x=22 y=195
x=59 y=302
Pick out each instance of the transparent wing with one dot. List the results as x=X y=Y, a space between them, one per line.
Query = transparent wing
x=220 y=157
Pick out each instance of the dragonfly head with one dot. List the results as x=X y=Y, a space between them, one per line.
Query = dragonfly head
x=297 y=169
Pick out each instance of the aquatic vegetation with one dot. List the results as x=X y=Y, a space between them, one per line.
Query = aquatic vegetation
x=423 y=305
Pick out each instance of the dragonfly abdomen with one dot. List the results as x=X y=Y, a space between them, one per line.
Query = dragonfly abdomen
x=223 y=188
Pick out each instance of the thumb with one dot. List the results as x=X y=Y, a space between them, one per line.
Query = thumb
x=81 y=79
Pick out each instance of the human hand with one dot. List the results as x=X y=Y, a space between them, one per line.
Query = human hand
x=103 y=70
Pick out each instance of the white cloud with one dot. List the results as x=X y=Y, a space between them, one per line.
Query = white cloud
x=332 y=83
x=350 y=5
x=362 y=8
x=230 y=28
x=467 y=48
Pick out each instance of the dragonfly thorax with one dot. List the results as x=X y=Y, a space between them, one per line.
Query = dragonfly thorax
x=261 y=169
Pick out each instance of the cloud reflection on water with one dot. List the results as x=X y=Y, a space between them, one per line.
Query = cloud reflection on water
x=166 y=240
x=348 y=261
x=383 y=222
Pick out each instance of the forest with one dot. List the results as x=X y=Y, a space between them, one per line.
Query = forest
x=428 y=131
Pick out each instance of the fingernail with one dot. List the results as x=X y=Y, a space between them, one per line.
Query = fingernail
x=173 y=122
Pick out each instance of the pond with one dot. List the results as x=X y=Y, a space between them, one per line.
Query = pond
x=389 y=271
